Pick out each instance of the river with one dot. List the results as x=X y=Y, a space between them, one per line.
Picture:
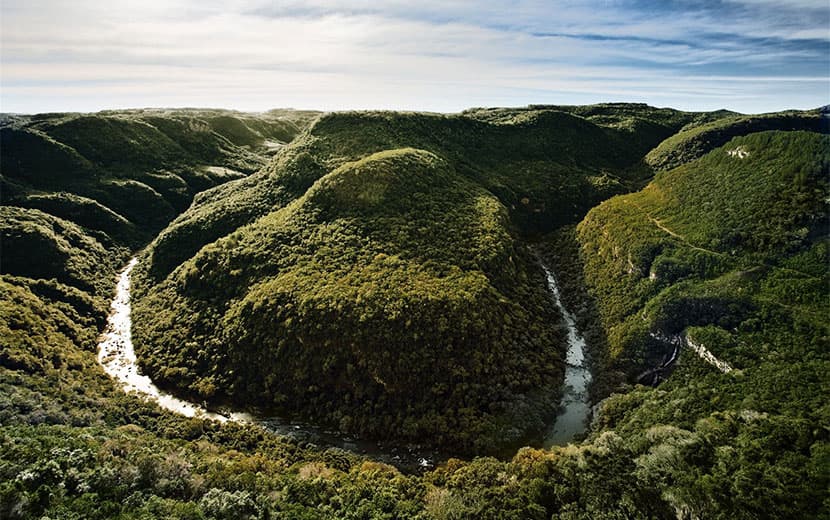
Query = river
x=117 y=356
x=575 y=406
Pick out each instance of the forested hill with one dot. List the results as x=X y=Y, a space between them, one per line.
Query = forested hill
x=373 y=276
x=126 y=174
x=370 y=271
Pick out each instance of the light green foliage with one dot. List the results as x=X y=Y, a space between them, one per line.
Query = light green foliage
x=704 y=135
x=735 y=220
x=732 y=252
x=379 y=270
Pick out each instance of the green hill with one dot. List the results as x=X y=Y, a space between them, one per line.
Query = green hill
x=702 y=136
x=547 y=167
x=343 y=307
x=399 y=235
x=755 y=207
x=80 y=192
x=130 y=172
x=731 y=252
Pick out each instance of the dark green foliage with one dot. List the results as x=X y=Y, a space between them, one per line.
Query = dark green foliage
x=703 y=135
x=128 y=144
x=378 y=259
x=35 y=158
x=111 y=227
x=546 y=166
x=38 y=245
x=331 y=224
x=730 y=250
x=127 y=174
x=221 y=210
x=343 y=307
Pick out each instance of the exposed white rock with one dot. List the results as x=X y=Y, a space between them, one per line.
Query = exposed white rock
x=707 y=356
x=740 y=152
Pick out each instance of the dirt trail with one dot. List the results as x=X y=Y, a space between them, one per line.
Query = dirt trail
x=686 y=242
x=672 y=233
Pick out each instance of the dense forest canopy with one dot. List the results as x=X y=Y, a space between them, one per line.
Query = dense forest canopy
x=373 y=272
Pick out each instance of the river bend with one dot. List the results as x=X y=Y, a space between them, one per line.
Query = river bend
x=117 y=356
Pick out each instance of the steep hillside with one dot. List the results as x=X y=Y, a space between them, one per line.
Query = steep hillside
x=745 y=216
x=343 y=307
x=127 y=174
x=546 y=166
x=724 y=258
x=702 y=136
x=374 y=276
x=79 y=194
x=381 y=272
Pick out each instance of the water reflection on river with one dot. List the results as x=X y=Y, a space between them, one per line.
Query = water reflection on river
x=575 y=408
x=117 y=356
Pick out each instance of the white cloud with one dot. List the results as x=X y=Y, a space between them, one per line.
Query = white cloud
x=438 y=55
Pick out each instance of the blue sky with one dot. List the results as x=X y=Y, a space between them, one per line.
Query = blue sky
x=85 y=55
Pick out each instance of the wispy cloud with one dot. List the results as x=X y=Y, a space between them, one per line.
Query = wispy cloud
x=749 y=55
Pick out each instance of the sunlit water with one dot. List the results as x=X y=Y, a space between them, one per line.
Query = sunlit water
x=575 y=408
x=117 y=356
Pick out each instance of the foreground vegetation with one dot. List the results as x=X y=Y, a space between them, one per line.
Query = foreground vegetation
x=379 y=219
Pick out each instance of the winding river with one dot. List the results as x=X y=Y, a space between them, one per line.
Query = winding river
x=117 y=356
x=575 y=407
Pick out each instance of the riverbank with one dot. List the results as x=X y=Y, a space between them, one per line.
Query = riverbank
x=117 y=356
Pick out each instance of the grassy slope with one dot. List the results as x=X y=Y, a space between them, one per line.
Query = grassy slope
x=703 y=135
x=733 y=252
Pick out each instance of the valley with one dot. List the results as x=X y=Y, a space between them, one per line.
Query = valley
x=543 y=312
x=117 y=357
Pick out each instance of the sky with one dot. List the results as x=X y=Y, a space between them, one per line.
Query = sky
x=750 y=56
